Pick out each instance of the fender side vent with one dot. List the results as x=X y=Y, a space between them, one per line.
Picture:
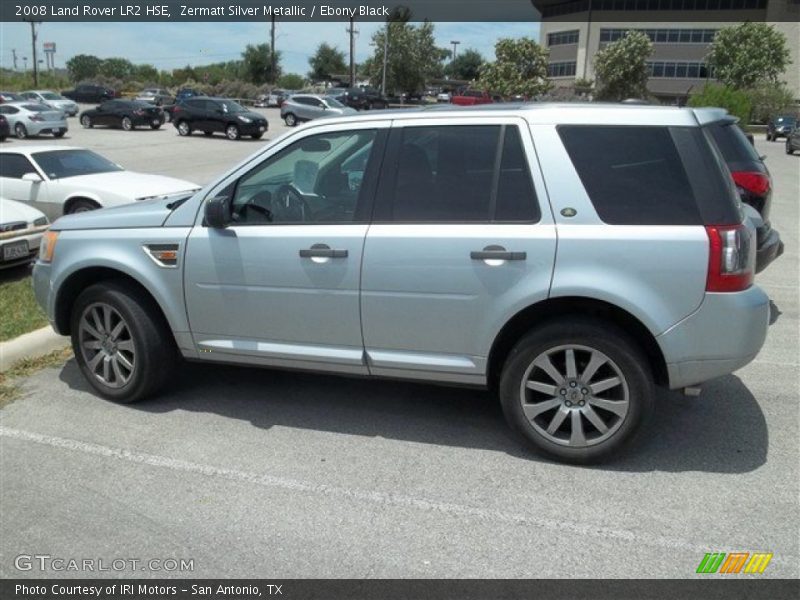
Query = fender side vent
x=164 y=255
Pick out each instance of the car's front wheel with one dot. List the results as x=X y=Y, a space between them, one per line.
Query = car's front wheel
x=232 y=132
x=577 y=389
x=121 y=342
x=290 y=120
x=127 y=123
x=86 y=122
x=789 y=148
x=184 y=129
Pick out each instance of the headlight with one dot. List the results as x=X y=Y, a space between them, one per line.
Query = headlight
x=48 y=246
x=41 y=221
x=245 y=119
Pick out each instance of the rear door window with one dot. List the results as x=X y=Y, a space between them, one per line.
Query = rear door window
x=733 y=143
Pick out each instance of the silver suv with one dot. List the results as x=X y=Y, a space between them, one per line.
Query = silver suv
x=570 y=258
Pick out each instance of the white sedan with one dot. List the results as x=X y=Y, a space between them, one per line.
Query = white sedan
x=21 y=229
x=62 y=180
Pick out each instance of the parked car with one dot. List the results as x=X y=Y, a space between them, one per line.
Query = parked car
x=211 y=115
x=425 y=245
x=10 y=97
x=90 y=93
x=186 y=93
x=471 y=98
x=156 y=96
x=352 y=97
x=276 y=97
x=126 y=114
x=306 y=107
x=53 y=100
x=443 y=97
x=373 y=98
x=793 y=140
x=62 y=180
x=753 y=182
x=28 y=118
x=21 y=229
x=780 y=126
x=5 y=130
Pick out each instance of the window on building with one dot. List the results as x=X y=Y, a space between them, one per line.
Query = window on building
x=562 y=69
x=562 y=38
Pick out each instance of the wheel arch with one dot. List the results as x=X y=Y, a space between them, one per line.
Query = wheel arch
x=77 y=197
x=552 y=308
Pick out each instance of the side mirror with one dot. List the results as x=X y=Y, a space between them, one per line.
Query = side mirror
x=217 y=212
x=32 y=177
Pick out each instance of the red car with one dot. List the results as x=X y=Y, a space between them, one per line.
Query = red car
x=471 y=98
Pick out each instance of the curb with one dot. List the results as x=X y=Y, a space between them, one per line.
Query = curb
x=30 y=345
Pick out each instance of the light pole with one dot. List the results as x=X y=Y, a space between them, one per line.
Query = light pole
x=455 y=46
x=385 y=58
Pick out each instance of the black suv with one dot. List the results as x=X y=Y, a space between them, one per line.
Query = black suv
x=352 y=97
x=90 y=93
x=210 y=115
x=780 y=126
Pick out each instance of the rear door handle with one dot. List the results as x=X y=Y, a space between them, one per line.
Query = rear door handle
x=497 y=253
x=322 y=251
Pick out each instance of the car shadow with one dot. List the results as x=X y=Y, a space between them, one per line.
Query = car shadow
x=15 y=273
x=723 y=431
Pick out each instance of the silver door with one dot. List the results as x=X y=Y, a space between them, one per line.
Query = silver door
x=280 y=285
x=442 y=274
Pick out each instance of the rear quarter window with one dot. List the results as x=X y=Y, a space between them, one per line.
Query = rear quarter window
x=650 y=175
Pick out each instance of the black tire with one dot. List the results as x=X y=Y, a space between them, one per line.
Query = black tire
x=154 y=356
x=789 y=148
x=155 y=125
x=624 y=354
x=232 y=132
x=3 y=138
x=60 y=133
x=82 y=205
x=183 y=127
x=127 y=123
x=86 y=122
x=290 y=120
x=769 y=138
x=20 y=131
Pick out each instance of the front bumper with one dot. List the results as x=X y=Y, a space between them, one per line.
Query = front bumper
x=31 y=236
x=721 y=336
x=253 y=128
x=42 y=291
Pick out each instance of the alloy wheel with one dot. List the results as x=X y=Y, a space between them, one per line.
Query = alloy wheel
x=574 y=396
x=20 y=131
x=183 y=128
x=232 y=132
x=106 y=345
x=127 y=124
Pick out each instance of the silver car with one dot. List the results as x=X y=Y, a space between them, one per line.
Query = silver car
x=53 y=100
x=306 y=107
x=569 y=258
x=156 y=96
x=29 y=118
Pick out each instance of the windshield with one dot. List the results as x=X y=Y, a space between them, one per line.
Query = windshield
x=58 y=164
x=787 y=120
x=50 y=96
x=334 y=103
x=229 y=106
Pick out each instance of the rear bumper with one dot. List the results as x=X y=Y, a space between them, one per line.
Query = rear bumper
x=46 y=127
x=723 y=335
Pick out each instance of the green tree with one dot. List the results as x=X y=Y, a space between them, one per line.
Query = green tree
x=768 y=100
x=734 y=101
x=621 y=67
x=327 y=61
x=466 y=66
x=520 y=68
x=147 y=74
x=83 y=66
x=292 y=81
x=257 y=64
x=748 y=54
x=413 y=57
x=118 y=68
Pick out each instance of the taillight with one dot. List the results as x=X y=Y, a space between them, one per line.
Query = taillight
x=730 y=268
x=752 y=181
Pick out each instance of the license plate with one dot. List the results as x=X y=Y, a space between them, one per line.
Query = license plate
x=261 y=128
x=15 y=250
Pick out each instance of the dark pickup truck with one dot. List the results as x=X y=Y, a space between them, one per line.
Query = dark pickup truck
x=90 y=93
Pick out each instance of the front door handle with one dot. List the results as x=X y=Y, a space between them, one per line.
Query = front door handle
x=497 y=253
x=322 y=251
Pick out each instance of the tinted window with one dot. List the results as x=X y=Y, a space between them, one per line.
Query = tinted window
x=449 y=174
x=14 y=166
x=732 y=142
x=633 y=175
x=58 y=164
x=315 y=180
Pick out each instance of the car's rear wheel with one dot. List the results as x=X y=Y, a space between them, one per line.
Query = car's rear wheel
x=290 y=120
x=86 y=122
x=184 y=129
x=789 y=148
x=121 y=342
x=127 y=123
x=20 y=131
x=59 y=133
x=232 y=132
x=577 y=389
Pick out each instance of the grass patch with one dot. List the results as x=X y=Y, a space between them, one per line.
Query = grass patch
x=19 y=310
x=9 y=387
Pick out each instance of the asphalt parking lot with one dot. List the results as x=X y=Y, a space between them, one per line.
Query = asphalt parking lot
x=260 y=472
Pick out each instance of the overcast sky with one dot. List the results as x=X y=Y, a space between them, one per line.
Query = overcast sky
x=171 y=45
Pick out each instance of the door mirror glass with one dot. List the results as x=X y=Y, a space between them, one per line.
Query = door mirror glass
x=217 y=212
x=32 y=177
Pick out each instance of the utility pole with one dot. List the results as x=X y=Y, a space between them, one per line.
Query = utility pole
x=385 y=58
x=272 y=77
x=14 y=55
x=352 y=31
x=33 y=45
x=455 y=45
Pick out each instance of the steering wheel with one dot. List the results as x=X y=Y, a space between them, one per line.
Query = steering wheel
x=267 y=213
x=290 y=204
